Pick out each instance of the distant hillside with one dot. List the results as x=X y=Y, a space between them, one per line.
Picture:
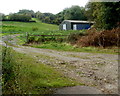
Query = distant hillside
x=21 y=27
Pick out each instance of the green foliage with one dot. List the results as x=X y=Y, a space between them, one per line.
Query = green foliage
x=10 y=29
x=55 y=45
x=74 y=13
x=105 y=14
x=89 y=9
x=41 y=39
x=110 y=15
x=73 y=37
x=63 y=36
x=8 y=77
x=27 y=12
x=2 y=16
x=34 y=28
x=20 y=17
x=46 y=17
x=38 y=15
x=68 y=47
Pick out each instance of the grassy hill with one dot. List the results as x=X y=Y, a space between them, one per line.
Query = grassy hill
x=9 y=27
x=32 y=27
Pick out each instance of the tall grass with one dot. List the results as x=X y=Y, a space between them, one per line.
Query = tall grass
x=62 y=46
x=8 y=78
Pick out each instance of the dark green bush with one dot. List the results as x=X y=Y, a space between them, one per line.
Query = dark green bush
x=40 y=39
x=8 y=72
x=20 y=17
x=73 y=37
x=31 y=39
x=34 y=29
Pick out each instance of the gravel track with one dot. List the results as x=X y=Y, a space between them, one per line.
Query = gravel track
x=91 y=69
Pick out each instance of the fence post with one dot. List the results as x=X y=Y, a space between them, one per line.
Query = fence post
x=27 y=35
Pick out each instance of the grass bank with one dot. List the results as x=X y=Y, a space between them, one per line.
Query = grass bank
x=68 y=47
x=23 y=75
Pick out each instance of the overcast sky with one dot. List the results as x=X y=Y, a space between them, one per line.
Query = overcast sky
x=52 y=6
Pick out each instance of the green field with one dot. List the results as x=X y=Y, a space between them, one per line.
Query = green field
x=21 y=27
x=9 y=27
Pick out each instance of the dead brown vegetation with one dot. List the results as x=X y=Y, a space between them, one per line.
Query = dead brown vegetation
x=103 y=38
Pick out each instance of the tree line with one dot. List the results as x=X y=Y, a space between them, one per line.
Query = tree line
x=105 y=14
x=72 y=13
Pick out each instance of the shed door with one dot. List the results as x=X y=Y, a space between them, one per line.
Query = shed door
x=83 y=26
x=64 y=27
x=75 y=27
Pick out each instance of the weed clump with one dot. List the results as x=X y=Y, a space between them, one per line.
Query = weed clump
x=34 y=29
x=105 y=38
x=73 y=37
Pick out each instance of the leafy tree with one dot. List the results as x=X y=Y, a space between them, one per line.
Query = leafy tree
x=59 y=18
x=2 y=16
x=20 y=17
x=74 y=13
x=111 y=15
x=46 y=17
x=38 y=15
x=27 y=12
x=105 y=14
x=89 y=8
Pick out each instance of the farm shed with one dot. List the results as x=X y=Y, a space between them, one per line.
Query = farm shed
x=75 y=25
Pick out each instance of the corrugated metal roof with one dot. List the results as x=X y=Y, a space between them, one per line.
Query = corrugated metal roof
x=79 y=21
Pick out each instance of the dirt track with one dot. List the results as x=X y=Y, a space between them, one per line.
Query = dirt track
x=91 y=69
